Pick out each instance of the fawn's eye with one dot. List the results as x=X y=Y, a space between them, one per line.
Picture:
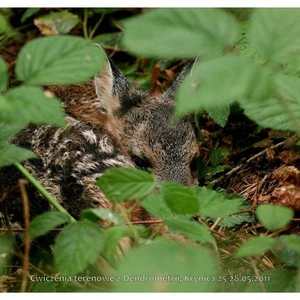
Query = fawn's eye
x=142 y=163
x=194 y=164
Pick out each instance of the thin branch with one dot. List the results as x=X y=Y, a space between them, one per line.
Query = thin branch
x=24 y=196
x=256 y=272
x=237 y=168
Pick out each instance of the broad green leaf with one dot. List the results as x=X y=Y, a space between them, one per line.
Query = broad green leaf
x=155 y=204
x=4 y=25
x=247 y=50
x=177 y=33
x=32 y=105
x=191 y=229
x=237 y=219
x=220 y=81
x=292 y=67
x=6 y=251
x=108 y=40
x=95 y=214
x=255 y=246
x=123 y=184
x=10 y=154
x=56 y=23
x=285 y=254
x=59 y=60
x=43 y=223
x=112 y=243
x=275 y=32
x=274 y=280
x=214 y=204
x=3 y=75
x=9 y=130
x=44 y=287
x=76 y=246
x=219 y=113
x=282 y=112
x=240 y=218
x=274 y=217
x=180 y=199
x=217 y=156
x=173 y=268
x=28 y=13
x=209 y=172
x=292 y=241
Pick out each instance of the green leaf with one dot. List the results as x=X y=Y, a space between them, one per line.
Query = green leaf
x=123 y=184
x=274 y=217
x=155 y=205
x=217 y=156
x=191 y=229
x=59 y=60
x=209 y=172
x=214 y=204
x=9 y=130
x=285 y=254
x=255 y=246
x=274 y=280
x=4 y=25
x=180 y=199
x=275 y=32
x=177 y=33
x=32 y=105
x=10 y=154
x=95 y=214
x=219 y=114
x=44 y=287
x=76 y=246
x=28 y=13
x=6 y=251
x=43 y=223
x=113 y=235
x=282 y=112
x=237 y=219
x=292 y=241
x=3 y=75
x=57 y=23
x=220 y=81
x=108 y=40
x=173 y=268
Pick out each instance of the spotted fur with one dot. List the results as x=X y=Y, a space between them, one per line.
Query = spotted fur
x=110 y=123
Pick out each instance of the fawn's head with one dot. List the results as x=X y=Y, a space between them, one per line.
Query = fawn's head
x=146 y=129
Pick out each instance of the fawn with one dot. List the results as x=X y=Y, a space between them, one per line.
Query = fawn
x=109 y=123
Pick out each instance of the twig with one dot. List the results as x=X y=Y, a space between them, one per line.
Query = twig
x=256 y=272
x=216 y=224
x=146 y=222
x=24 y=196
x=237 y=168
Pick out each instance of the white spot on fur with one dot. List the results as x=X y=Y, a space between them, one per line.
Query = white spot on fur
x=90 y=136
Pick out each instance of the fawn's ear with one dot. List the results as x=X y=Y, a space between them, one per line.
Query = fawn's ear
x=169 y=94
x=115 y=93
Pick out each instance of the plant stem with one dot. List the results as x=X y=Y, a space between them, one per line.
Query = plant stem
x=127 y=220
x=85 y=21
x=96 y=26
x=42 y=190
